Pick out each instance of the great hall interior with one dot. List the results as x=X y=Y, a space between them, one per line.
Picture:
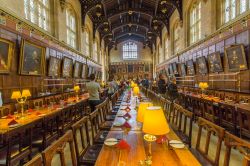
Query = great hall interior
x=125 y=82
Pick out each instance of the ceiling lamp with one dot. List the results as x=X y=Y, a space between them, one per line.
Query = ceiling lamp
x=98 y=10
x=163 y=6
x=129 y=34
x=106 y=29
x=130 y=12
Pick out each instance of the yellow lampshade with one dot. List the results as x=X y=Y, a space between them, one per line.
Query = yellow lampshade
x=26 y=93
x=141 y=110
x=16 y=95
x=136 y=90
x=76 y=88
x=155 y=122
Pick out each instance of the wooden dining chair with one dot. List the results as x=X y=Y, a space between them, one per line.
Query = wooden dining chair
x=209 y=111
x=201 y=150
x=243 y=123
x=38 y=103
x=85 y=152
x=228 y=117
x=35 y=161
x=67 y=118
x=58 y=98
x=184 y=125
x=58 y=147
x=18 y=147
x=48 y=100
x=5 y=110
x=103 y=112
x=49 y=132
x=98 y=135
x=172 y=116
x=233 y=142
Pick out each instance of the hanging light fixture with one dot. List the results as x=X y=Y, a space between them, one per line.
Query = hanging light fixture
x=163 y=5
x=98 y=10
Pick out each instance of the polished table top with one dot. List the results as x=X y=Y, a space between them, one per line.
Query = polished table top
x=37 y=114
x=161 y=153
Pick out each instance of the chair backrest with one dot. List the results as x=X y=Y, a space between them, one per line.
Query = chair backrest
x=49 y=100
x=58 y=98
x=185 y=124
x=211 y=128
x=38 y=102
x=19 y=137
x=35 y=161
x=172 y=116
x=5 y=110
x=94 y=118
x=81 y=136
x=233 y=142
x=243 y=122
x=58 y=147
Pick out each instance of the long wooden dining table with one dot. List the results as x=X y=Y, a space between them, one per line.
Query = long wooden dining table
x=162 y=154
x=36 y=114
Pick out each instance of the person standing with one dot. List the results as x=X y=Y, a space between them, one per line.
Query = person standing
x=93 y=88
x=162 y=84
x=112 y=86
x=172 y=90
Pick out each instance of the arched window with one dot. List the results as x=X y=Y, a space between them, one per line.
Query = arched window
x=166 y=52
x=176 y=38
x=71 y=28
x=195 y=22
x=87 y=42
x=38 y=12
x=95 y=55
x=130 y=50
x=234 y=8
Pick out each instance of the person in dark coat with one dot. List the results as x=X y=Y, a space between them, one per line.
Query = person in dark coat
x=172 y=90
x=162 y=83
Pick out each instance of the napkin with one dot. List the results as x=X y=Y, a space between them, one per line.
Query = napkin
x=9 y=116
x=123 y=145
x=161 y=139
x=126 y=125
x=13 y=122
x=30 y=110
x=38 y=113
x=127 y=115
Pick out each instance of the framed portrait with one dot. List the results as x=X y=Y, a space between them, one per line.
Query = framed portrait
x=236 y=58
x=84 y=71
x=67 y=67
x=190 y=68
x=54 y=67
x=32 y=59
x=170 y=68
x=201 y=65
x=214 y=63
x=167 y=71
x=174 y=67
x=183 y=69
x=130 y=68
x=146 y=68
x=89 y=71
x=77 y=69
x=6 y=54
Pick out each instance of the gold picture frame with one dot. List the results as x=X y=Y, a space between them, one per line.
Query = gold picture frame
x=6 y=54
x=236 y=58
x=32 y=59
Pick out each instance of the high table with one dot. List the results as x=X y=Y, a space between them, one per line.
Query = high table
x=33 y=116
x=161 y=153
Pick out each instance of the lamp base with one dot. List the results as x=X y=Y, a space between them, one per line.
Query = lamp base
x=149 y=138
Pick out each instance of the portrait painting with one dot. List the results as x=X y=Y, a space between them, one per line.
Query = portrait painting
x=6 y=53
x=67 y=67
x=174 y=67
x=190 y=68
x=77 y=69
x=201 y=65
x=183 y=69
x=170 y=68
x=54 y=67
x=214 y=63
x=146 y=68
x=32 y=61
x=89 y=71
x=130 y=68
x=167 y=71
x=84 y=71
x=236 y=58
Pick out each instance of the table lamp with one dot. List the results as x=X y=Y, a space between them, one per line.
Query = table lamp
x=76 y=89
x=154 y=124
x=203 y=86
x=141 y=110
x=21 y=98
